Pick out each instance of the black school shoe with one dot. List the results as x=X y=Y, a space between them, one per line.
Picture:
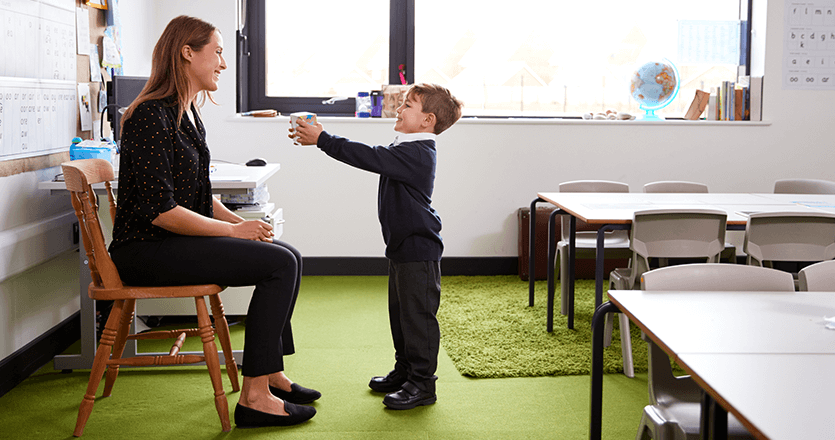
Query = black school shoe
x=252 y=418
x=387 y=384
x=298 y=394
x=409 y=397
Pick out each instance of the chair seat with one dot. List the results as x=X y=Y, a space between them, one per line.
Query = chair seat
x=146 y=292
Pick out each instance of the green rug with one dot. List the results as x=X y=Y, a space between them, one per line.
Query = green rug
x=489 y=331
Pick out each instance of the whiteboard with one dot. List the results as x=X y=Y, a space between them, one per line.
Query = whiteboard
x=38 y=95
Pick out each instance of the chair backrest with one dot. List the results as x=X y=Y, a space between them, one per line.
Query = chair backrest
x=676 y=233
x=79 y=176
x=717 y=277
x=789 y=236
x=663 y=385
x=818 y=277
x=604 y=186
x=804 y=186
x=675 y=186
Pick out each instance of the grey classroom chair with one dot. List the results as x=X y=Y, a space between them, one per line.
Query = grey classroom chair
x=616 y=242
x=681 y=186
x=675 y=401
x=665 y=233
x=717 y=277
x=804 y=186
x=675 y=186
x=818 y=277
x=789 y=236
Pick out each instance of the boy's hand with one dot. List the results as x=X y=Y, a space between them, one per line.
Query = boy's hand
x=306 y=134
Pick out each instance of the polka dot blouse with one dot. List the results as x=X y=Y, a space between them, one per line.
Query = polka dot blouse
x=162 y=165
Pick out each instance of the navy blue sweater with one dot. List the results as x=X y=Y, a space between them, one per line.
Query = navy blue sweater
x=411 y=227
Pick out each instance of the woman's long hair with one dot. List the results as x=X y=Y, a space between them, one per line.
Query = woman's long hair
x=168 y=73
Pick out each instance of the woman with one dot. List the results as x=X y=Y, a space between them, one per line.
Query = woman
x=169 y=229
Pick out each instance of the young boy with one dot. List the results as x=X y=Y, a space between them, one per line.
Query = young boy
x=411 y=231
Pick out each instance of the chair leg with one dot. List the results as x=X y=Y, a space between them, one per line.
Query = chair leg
x=207 y=335
x=108 y=338
x=626 y=346
x=222 y=327
x=119 y=347
x=607 y=330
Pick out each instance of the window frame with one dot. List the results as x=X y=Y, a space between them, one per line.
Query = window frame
x=251 y=62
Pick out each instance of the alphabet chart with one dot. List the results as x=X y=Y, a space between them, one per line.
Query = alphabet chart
x=38 y=109
x=809 y=48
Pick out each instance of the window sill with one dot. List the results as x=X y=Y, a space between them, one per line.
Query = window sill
x=517 y=121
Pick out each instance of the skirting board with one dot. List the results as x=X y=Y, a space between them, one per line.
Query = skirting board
x=34 y=355
x=379 y=266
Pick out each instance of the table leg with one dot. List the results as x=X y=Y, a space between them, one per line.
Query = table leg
x=532 y=250
x=597 y=329
x=572 y=265
x=87 y=313
x=552 y=248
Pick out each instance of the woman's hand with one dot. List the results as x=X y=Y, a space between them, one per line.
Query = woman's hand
x=306 y=134
x=256 y=230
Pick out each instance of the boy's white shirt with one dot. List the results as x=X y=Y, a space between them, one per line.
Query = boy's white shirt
x=411 y=137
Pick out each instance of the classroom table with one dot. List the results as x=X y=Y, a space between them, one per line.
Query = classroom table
x=226 y=178
x=614 y=211
x=763 y=356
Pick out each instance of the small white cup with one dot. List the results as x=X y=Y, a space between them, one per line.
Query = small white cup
x=309 y=118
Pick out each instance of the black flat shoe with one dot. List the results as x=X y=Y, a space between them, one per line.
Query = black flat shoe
x=387 y=384
x=409 y=397
x=252 y=418
x=298 y=394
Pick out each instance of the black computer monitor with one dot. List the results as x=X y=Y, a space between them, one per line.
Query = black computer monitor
x=124 y=90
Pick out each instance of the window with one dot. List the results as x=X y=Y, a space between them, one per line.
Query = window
x=538 y=58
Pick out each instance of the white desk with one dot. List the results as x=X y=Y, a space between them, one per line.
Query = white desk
x=613 y=211
x=776 y=396
x=764 y=356
x=226 y=179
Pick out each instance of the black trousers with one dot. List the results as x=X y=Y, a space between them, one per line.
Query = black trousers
x=414 y=293
x=273 y=268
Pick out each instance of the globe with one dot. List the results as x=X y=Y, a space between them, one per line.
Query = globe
x=654 y=85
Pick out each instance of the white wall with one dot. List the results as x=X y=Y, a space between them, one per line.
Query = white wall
x=488 y=169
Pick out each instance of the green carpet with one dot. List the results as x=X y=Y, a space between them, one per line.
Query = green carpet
x=488 y=330
x=342 y=339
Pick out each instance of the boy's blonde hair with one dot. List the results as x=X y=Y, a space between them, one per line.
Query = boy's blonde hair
x=439 y=101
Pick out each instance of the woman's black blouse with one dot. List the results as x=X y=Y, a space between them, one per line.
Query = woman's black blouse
x=161 y=166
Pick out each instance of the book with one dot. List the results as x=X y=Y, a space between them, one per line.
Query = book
x=712 y=112
x=756 y=100
x=697 y=107
x=739 y=104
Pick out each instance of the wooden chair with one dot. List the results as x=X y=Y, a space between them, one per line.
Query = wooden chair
x=79 y=175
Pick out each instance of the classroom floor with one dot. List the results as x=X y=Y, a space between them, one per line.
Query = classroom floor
x=342 y=339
